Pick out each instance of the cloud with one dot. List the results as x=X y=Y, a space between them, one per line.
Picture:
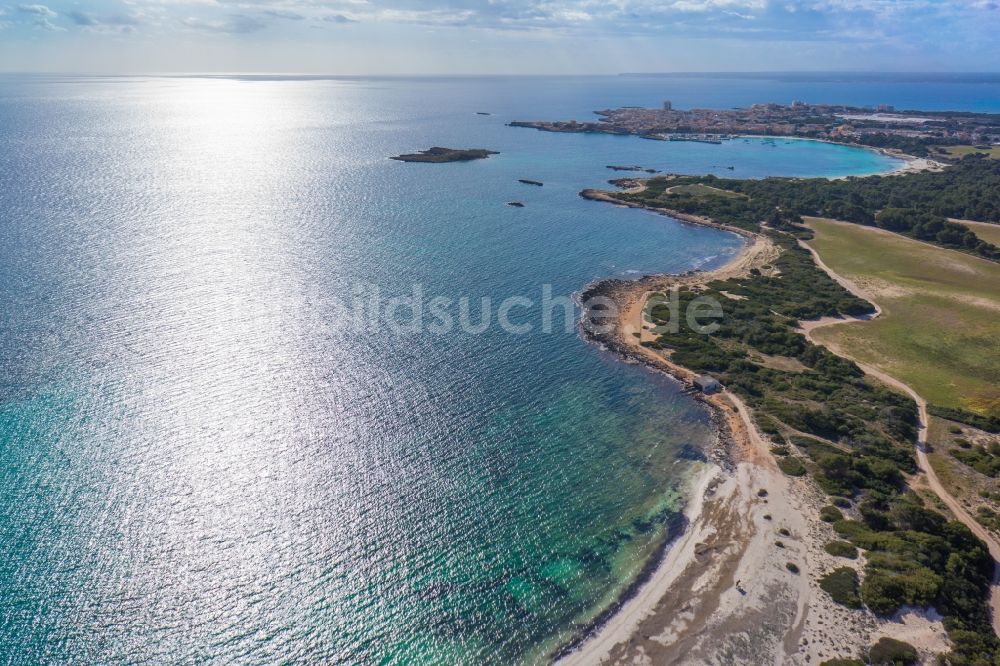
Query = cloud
x=45 y=24
x=116 y=23
x=338 y=18
x=236 y=24
x=41 y=15
x=848 y=21
x=82 y=18
x=712 y=5
x=38 y=10
x=284 y=14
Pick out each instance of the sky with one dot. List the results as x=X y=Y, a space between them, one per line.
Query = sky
x=498 y=36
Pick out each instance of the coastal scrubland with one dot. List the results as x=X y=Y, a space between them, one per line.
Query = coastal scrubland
x=967 y=462
x=852 y=434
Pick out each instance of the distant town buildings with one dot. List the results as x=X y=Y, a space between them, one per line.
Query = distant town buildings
x=823 y=121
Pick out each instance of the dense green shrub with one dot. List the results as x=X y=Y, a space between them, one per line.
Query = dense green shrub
x=987 y=423
x=890 y=652
x=830 y=514
x=842 y=586
x=842 y=549
x=893 y=581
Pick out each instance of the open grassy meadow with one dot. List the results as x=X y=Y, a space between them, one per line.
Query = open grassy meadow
x=940 y=327
x=701 y=190
x=988 y=231
x=962 y=151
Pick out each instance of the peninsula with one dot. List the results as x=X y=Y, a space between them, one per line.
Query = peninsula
x=918 y=133
x=437 y=154
x=826 y=534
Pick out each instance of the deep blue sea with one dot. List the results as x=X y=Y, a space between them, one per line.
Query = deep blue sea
x=208 y=456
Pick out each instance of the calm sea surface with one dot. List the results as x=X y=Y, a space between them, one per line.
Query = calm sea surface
x=207 y=456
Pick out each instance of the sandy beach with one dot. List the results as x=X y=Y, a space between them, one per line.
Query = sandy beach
x=910 y=162
x=723 y=592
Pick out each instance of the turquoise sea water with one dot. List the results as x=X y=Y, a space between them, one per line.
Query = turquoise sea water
x=202 y=462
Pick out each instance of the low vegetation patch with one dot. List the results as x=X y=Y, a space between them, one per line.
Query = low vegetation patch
x=987 y=517
x=985 y=459
x=791 y=466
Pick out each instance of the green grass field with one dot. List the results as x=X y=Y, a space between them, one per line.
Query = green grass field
x=700 y=190
x=985 y=230
x=940 y=327
x=962 y=151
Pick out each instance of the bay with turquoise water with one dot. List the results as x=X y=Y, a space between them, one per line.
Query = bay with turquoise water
x=202 y=460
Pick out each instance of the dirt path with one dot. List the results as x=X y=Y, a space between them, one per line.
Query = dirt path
x=933 y=482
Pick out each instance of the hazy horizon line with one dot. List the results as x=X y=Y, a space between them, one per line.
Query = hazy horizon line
x=684 y=73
